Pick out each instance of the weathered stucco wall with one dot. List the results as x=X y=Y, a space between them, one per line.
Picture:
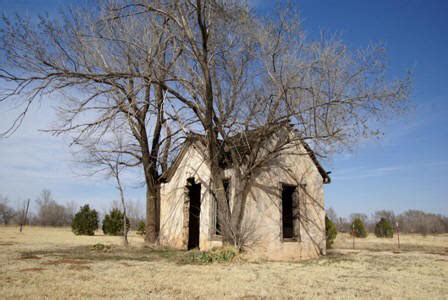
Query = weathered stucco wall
x=263 y=210
x=174 y=202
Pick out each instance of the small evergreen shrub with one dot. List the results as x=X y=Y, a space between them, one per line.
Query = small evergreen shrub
x=141 y=228
x=85 y=222
x=113 y=223
x=330 y=232
x=383 y=229
x=358 y=228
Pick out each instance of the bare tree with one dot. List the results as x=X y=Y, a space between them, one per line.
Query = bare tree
x=105 y=68
x=331 y=214
x=51 y=213
x=212 y=67
x=134 y=213
x=238 y=72
x=384 y=214
x=343 y=225
x=70 y=210
x=416 y=221
x=200 y=28
x=363 y=217
x=112 y=164
x=7 y=213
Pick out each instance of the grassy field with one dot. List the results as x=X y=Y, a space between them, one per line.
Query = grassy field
x=54 y=263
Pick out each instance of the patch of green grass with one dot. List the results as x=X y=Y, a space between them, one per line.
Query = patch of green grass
x=101 y=247
x=215 y=255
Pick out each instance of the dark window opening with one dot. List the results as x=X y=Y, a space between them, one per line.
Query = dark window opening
x=226 y=184
x=288 y=212
x=194 y=195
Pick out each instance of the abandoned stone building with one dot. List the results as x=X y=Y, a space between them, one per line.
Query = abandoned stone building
x=285 y=205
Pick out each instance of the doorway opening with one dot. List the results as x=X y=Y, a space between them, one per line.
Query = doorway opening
x=194 y=195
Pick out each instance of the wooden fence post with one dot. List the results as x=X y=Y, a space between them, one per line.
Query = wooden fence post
x=353 y=234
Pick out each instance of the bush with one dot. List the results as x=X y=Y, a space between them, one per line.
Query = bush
x=113 y=223
x=101 y=247
x=383 y=229
x=141 y=228
x=330 y=232
x=215 y=255
x=358 y=228
x=85 y=221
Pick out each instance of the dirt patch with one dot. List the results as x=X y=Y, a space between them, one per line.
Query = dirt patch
x=7 y=243
x=79 y=268
x=86 y=253
x=32 y=270
x=66 y=261
x=438 y=253
x=28 y=256
x=154 y=271
x=250 y=297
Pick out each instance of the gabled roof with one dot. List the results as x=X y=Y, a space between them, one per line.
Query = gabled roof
x=325 y=175
x=242 y=149
x=169 y=173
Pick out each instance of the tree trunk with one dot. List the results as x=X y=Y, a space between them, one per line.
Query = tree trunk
x=152 y=206
x=216 y=172
x=150 y=158
x=123 y=203
x=151 y=189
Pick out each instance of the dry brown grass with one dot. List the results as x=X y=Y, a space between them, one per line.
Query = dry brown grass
x=54 y=263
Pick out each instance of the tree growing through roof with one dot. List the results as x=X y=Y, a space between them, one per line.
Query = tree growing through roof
x=238 y=73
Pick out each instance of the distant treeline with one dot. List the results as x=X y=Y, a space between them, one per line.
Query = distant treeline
x=51 y=213
x=48 y=212
x=410 y=221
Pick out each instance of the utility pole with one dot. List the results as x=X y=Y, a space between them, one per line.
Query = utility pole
x=24 y=214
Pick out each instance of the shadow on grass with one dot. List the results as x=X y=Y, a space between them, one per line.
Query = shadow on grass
x=108 y=253
x=101 y=252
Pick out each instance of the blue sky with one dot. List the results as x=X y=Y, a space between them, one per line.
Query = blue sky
x=405 y=169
